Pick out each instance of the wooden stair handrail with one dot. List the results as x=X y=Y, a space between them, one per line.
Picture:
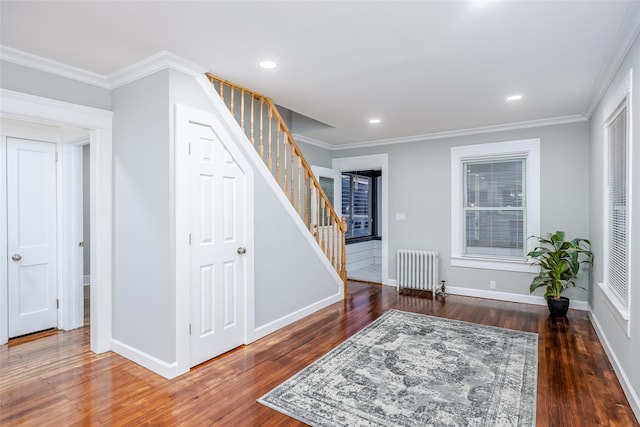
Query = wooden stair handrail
x=285 y=171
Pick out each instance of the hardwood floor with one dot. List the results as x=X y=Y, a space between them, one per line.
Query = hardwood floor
x=56 y=380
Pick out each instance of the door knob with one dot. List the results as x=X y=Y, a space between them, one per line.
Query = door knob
x=242 y=250
x=16 y=257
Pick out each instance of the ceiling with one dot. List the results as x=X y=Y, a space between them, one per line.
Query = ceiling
x=422 y=67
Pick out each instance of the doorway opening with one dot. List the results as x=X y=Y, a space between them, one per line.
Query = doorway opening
x=42 y=205
x=95 y=127
x=361 y=192
x=364 y=183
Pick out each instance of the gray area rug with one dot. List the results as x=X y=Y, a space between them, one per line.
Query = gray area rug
x=408 y=369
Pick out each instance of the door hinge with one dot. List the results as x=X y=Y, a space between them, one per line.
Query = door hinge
x=57 y=303
x=56 y=156
x=189 y=148
x=189 y=329
x=189 y=239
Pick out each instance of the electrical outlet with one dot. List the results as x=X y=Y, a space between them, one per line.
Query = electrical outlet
x=492 y=284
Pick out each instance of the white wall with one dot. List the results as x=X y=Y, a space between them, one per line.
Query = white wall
x=623 y=350
x=363 y=255
x=419 y=173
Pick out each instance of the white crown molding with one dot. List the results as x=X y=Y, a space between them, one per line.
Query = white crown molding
x=160 y=61
x=32 y=108
x=313 y=141
x=464 y=132
x=53 y=67
x=624 y=40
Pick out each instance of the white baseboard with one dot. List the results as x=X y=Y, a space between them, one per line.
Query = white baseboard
x=632 y=397
x=160 y=367
x=86 y=279
x=505 y=296
x=501 y=296
x=274 y=325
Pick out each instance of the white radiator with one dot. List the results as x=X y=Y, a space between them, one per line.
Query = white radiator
x=417 y=270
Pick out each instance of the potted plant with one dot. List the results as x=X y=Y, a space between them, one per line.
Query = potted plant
x=559 y=262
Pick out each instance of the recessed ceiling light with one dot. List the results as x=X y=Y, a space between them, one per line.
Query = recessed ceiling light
x=514 y=97
x=374 y=121
x=268 y=64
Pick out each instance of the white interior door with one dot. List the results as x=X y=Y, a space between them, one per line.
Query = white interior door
x=31 y=236
x=217 y=245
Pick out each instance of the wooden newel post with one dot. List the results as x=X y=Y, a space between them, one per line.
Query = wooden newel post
x=343 y=256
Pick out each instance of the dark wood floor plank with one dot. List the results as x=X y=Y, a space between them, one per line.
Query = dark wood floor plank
x=53 y=379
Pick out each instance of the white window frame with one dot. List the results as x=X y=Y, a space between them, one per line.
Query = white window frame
x=525 y=148
x=621 y=98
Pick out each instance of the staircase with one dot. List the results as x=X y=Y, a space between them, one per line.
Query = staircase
x=263 y=125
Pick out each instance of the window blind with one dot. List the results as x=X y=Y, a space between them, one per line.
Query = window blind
x=617 y=271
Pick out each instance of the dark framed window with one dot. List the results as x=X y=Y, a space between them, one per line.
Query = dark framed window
x=360 y=204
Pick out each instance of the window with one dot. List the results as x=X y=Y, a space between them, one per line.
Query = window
x=494 y=208
x=495 y=204
x=616 y=242
x=617 y=209
x=359 y=204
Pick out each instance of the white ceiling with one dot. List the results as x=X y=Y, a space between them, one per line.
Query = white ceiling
x=423 y=67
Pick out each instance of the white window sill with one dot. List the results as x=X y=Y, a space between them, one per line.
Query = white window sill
x=494 y=264
x=620 y=313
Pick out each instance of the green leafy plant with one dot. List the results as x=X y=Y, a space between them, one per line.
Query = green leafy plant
x=559 y=262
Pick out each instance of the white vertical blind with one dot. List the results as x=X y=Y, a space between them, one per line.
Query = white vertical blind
x=617 y=271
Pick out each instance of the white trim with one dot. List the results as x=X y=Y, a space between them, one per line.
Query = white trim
x=494 y=264
x=464 y=132
x=312 y=141
x=373 y=161
x=510 y=297
x=160 y=367
x=160 y=61
x=288 y=319
x=39 y=63
x=627 y=386
x=21 y=106
x=617 y=310
x=36 y=109
x=527 y=147
x=622 y=95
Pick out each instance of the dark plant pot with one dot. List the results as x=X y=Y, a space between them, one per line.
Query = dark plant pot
x=558 y=307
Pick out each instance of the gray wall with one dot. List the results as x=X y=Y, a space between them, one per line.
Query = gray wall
x=27 y=80
x=288 y=274
x=86 y=203
x=316 y=156
x=625 y=349
x=419 y=175
x=143 y=285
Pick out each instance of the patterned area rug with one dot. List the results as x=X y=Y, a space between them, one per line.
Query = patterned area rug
x=408 y=369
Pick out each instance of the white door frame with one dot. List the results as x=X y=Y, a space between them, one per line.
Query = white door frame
x=184 y=117
x=374 y=162
x=35 y=109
